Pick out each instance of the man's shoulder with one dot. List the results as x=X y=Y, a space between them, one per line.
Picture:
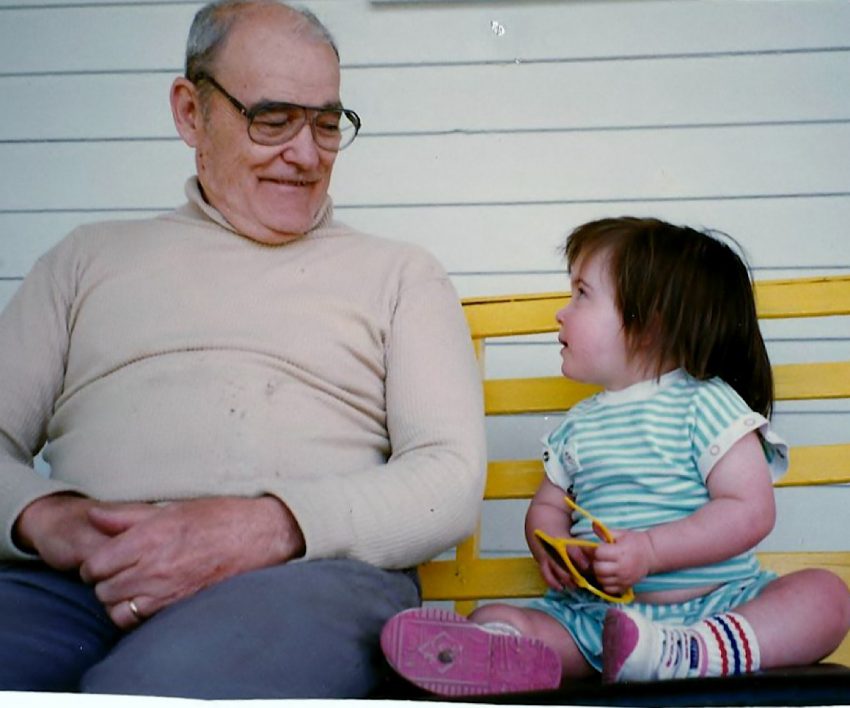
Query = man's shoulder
x=379 y=248
x=105 y=228
x=341 y=229
x=107 y=241
x=118 y=232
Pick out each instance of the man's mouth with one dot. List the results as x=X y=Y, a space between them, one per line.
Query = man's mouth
x=288 y=182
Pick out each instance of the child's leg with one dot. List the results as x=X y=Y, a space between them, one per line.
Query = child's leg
x=450 y=655
x=538 y=625
x=797 y=619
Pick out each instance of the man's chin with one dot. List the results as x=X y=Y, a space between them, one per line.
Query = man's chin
x=274 y=236
x=273 y=228
x=286 y=220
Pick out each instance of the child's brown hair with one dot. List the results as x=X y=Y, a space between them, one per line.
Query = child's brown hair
x=685 y=297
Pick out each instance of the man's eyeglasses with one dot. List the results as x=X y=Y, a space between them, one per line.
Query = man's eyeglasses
x=557 y=550
x=277 y=122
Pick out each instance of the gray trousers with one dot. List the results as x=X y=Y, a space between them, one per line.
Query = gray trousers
x=299 y=630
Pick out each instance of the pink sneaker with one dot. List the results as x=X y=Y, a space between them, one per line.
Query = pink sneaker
x=446 y=654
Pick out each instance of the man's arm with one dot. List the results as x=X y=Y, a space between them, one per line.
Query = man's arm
x=427 y=497
x=34 y=337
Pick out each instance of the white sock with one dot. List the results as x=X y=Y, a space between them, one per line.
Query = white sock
x=718 y=646
x=732 y=646
x=634 y=648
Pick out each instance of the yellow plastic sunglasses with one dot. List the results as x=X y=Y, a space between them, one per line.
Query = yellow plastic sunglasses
x=557 y=550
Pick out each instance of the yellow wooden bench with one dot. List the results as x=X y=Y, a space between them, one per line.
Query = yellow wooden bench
x=469 y=577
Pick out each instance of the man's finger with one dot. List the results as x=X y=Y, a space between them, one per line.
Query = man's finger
x=113 y=557
x=127 y=614
x=115 y=519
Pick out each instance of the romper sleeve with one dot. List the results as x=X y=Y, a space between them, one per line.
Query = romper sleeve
x=721 y=418
x=560 y=459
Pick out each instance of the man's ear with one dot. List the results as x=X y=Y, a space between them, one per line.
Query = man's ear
x=186 y=110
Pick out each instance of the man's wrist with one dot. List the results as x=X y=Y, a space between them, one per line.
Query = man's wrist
x=23 y=530
x=290 y=543
x=25 y=527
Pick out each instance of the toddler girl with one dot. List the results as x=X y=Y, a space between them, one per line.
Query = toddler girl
x=677 y=457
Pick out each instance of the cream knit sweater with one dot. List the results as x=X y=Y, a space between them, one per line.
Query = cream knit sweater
x=171 y=358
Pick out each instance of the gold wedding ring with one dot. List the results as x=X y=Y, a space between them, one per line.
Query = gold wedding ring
x=135 y=610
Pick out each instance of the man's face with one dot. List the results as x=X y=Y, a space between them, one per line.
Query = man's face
x=269 y=193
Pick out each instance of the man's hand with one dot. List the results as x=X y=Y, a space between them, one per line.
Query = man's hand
x=157 y=559
x=59 y=530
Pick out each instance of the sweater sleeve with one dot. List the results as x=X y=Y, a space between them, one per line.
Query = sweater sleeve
x=33 y=348
x=427 y=496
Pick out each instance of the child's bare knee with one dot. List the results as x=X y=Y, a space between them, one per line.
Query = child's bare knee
x=517 y=617
x=838 y=596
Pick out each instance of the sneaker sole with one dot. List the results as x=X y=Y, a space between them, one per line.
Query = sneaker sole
x=446 y=654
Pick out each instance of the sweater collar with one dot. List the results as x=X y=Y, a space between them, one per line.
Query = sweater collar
x=323 y=217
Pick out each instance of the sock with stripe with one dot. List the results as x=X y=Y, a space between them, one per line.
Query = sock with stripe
x=637 y=649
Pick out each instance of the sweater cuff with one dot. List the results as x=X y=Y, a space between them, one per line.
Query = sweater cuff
x=324 y=516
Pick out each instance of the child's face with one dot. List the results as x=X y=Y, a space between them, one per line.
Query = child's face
x=594 y=345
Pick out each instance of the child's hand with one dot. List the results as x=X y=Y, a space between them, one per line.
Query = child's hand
x=618 y=566
x=556 y=575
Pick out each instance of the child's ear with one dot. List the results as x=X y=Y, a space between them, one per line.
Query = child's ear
x=650 y=338
x=648 y=345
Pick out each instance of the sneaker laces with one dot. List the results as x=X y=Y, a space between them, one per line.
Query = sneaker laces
x=680 y=653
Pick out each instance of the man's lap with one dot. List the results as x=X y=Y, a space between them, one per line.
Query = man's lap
x=297 y=630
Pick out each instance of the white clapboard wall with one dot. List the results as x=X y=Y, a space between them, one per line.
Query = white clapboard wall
x=490 y=130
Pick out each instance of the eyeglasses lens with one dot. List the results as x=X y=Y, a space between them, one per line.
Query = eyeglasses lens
x=332 y=130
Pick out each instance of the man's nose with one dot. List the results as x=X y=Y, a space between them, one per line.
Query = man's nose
x=301 y=149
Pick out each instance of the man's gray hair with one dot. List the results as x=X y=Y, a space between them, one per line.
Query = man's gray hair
x=213 y=23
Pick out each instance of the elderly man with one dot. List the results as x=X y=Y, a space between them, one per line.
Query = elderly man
x=258 y=420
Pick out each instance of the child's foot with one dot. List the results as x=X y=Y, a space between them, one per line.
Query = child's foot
x=637 y=649
x=630 y=647
x=447 y=654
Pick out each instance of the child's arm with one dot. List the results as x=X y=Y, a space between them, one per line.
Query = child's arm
x=740 y=513
x=548 y=512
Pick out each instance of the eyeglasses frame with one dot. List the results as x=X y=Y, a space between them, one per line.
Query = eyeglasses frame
x=250 y=112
